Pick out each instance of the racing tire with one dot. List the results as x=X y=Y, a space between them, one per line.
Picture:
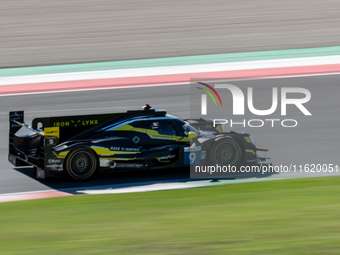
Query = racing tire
x=81 y=163
x=226 y=151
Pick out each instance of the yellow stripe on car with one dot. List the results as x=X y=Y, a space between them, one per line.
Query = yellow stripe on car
x=61 y=154
x=107 y=151
x=219 y=128
x=251 y=151
x=247 y=139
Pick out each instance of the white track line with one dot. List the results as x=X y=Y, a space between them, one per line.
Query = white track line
x=168 y=70
x=160 y=85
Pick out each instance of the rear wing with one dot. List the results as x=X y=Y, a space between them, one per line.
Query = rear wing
x=15 y=121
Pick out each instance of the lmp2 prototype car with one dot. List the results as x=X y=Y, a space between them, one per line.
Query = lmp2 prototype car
x=140 y=139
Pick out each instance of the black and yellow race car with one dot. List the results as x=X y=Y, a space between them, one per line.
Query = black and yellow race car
x=139 y=139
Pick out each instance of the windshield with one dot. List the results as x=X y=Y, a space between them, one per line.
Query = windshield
x=187 y=128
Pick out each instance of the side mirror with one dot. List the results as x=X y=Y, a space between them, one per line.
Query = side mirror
x=192 y=135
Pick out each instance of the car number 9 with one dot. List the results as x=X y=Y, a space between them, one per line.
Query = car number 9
x=192 y=157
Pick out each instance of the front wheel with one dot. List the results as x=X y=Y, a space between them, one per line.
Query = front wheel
x=81 y=164
x=225 y=152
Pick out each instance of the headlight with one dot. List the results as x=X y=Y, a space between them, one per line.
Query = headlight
x=252 y=140
x=62 y=147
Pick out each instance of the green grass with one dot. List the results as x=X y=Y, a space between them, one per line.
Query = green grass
x=279 y=217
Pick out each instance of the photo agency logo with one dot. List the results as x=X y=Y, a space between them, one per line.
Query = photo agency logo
x=293 y=97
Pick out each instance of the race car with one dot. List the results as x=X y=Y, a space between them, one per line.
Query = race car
x=82 y=145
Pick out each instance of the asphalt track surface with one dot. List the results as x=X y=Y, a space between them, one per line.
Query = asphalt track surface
x=37 y=32
x=314 y=140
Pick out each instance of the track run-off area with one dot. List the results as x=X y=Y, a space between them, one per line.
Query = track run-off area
x=122 y=85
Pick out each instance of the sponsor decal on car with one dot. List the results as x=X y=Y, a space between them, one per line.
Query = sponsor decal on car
x=165 y=159
x=75 y=123
x=112 y=148
x=136 y=139
x=56 y=161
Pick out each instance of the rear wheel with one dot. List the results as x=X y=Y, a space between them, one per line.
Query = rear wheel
x=81 y=164
x=225 y=152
